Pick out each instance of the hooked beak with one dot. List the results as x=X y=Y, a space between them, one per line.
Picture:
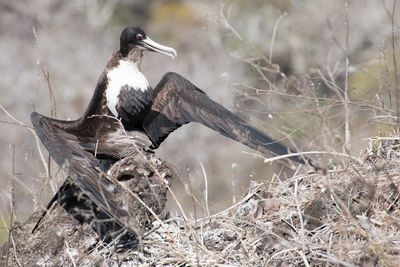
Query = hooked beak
x=150 y=45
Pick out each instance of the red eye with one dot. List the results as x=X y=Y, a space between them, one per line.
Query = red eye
x=139 y=37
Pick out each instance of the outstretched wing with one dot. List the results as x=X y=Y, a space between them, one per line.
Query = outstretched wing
x=178 y=102
x=67 y=150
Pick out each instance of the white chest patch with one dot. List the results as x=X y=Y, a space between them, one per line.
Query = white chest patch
x=126 y=73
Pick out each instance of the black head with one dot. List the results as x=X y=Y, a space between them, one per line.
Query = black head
x=132 y=37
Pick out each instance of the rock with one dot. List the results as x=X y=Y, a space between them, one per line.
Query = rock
x=74 y=231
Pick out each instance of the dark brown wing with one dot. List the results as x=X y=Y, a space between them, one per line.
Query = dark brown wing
x=66 y=149
x=178 y=102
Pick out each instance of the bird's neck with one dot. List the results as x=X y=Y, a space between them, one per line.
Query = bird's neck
x=121 y=72
x=127 y=72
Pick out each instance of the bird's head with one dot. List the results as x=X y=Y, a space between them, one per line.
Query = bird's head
x=134 y=40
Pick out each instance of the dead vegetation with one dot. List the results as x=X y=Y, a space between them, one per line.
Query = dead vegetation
x=348 y=217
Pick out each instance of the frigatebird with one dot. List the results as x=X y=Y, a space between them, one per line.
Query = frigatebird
x=123 y=101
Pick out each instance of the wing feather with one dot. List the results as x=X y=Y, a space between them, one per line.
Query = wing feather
x=79 y=164
x=178 y=102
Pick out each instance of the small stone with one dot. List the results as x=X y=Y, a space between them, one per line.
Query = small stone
x=229 y=235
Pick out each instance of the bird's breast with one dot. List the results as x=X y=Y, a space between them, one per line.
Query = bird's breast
x=126 y=75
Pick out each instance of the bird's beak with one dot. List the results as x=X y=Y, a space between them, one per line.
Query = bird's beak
x=150 y=45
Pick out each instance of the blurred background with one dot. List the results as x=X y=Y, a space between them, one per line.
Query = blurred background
x=278 y=64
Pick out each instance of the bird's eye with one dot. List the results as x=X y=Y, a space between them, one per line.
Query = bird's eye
x=139 y=37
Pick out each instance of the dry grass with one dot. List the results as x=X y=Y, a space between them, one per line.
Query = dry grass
x=348 y=217
x=260 y=62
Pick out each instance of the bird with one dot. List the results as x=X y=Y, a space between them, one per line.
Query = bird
x=124 y=102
